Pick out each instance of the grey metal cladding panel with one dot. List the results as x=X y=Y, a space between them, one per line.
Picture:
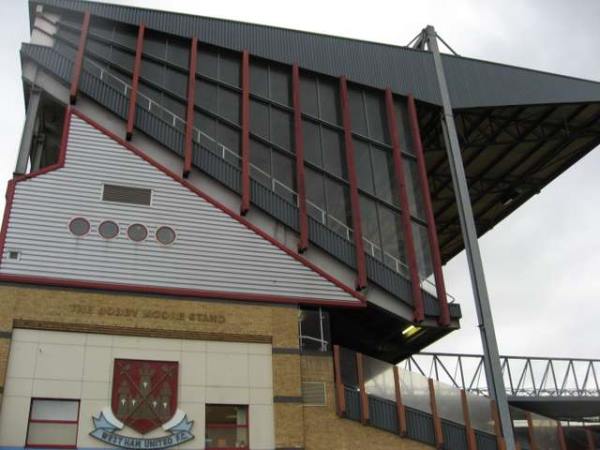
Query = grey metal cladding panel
x=273 y=204
x=383 y=414
x=454 y=434
x=402 y=69
x=352 y=403
x=103 y=94
x=158 y=129
x=216 y=167
x=485 y=441
x=331 y=242
x=390 y=280
x=48 y=58
x=419 y=426
x=475 y=83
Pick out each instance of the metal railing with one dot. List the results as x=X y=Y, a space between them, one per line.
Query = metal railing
x=524 y=376
x=219 y=149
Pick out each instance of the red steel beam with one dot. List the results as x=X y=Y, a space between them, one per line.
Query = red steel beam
x=364 y=398
x=440 y=287
x=471 y=442
x=245 y=133
x=400 y=409
x=135 y=81
x=530 y=435
x=500 y=443
x=189 y=113
x=361 y=281
x=299 y=149
x=78 y=64
x=437 y=422
x=400 y=179
x=339 y=386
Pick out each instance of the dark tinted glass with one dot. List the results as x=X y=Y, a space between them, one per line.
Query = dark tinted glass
x=98 y=48
x=155 y=44
x=415 y=196
x=178 y=52
x=383 y=174
x=150 y=92
x=260 y=156
x=207 y=62
x=207 y=125
x=102 y=27
x=259 y=78
x=329 y=100
x=308 y=95
x=229 y=68
x=403 y=124
x=337 y=204
x=176 y=82
x=229 y=137
x=229 y=105
x=280 y=84
x=259 y=118
x=206 y=95
x=122 y=59
x=281 y=128
x=391 y=232
x=125 y=35
x=315 y=190
x=362 y=161
x=370 y=228
x=376 y=115
x=174 y=106
x=283 y=169
x=152 y=72
x=312 y=143
x=333 y=152
x=357 y=111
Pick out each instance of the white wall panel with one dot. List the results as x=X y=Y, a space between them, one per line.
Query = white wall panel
x=212 y=252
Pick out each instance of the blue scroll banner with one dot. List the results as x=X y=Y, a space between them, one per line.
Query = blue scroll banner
x=105 y=432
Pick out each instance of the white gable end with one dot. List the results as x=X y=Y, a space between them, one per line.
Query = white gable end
x=213 y=252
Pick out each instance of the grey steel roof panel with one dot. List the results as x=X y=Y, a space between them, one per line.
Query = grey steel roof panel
x=472 y=83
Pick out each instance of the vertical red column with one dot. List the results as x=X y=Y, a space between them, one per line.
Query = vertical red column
x=135 y=80
x=245 y=132
x=299 y=148
x=437 y=423
x=497 y=429
x=78 y=64
x=444 y=318
x=400 y=180
x=400 y=409
x=471 y=442
x=189 y=113
x=562 y=442
x=339 y=386
x=532 y=443
x=364 y=398
x=361 y=268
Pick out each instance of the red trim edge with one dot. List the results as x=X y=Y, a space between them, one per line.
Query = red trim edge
x=135 y=79
x=78 y=65
x=400 y=178
x=299 y=148
x=440 y=287
x=189 y=115
x=361 y=281
x=245 y=207
x=172 y=291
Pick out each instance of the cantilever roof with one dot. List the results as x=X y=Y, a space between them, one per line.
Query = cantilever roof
x=404 y=70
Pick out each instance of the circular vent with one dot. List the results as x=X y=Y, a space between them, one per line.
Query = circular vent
x=137 y=232
x=79 y=226
x=108 y=229
x=165 y=235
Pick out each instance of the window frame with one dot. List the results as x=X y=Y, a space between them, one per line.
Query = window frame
x=227 y=426
x=63 y=422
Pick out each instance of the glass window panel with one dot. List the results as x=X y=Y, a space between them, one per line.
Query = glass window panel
x=280 y=84
x=65 y=49
x=176 y=82
x=348 y=367
x=150 y=92
x=403 y=125
x=383 y=171
x=226 y=415
x=178 y=52
x=98 y=48
x=480 y=411
x=229 y=68
x=259 y=118
x=379 y=378
x=175 y=106
x=391 y=234
x=376 y=116
x=229 y=105
x=338 y=205
x=152 y=72
x=208 y=126
x=308 y=95
x=362 y=161
x=227 y=438
x=207 y=62
x=122 y=58
x=259 y=78
x=206 y=95
x=155 y=43
x=260 y=157
x=545 y=432
x=54 y=410
x=333 y=152
x=413 y=188
x=422 y=250
x=449 y=402
x=283 y=169
x=357 y=111
x=69 y=36
x=329 y=100
x=102 y=27
x=415 y=390
x=281 y=128
x=312 y=143
x=315 y=194
x=229 y=137
x=52 y=434
x=125 y=35
x=370 y=226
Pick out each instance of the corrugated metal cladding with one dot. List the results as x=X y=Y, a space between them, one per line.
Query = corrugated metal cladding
x=472 y=83
x=212 y=251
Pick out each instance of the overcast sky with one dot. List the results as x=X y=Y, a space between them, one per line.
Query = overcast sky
x=542 y=263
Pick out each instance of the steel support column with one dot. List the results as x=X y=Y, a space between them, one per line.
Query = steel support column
x=400 y=409
x=28 y=130
x=135 y=81
x=437 y=422
x=299 y=150
x=78 y=65
x=484 y=314
x=189 y=112
x=340 y=395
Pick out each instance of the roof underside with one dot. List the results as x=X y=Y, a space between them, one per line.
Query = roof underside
x=519 y=128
